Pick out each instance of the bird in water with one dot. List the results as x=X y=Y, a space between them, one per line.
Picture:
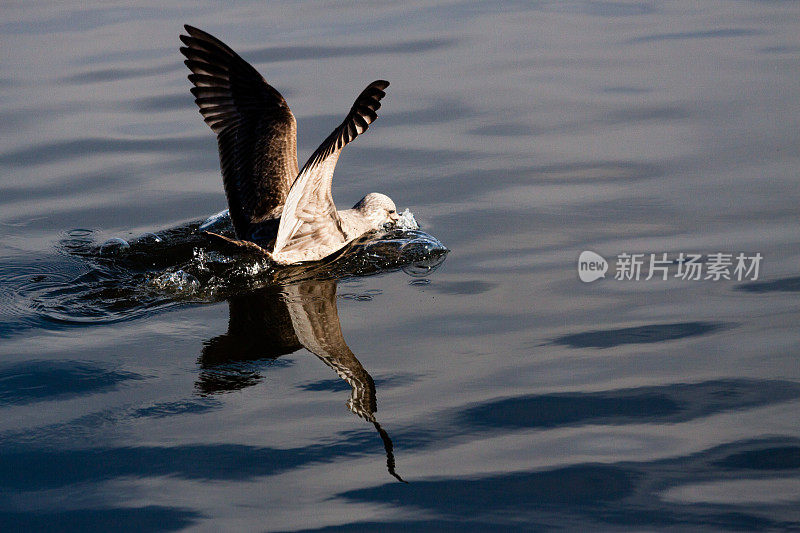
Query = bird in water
x=271 y=203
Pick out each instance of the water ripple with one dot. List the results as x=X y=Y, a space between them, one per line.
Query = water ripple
x=81 y=148
x=275 y=54
x=33 y=381
x=641 y=334
x=791 y=284
x=685 y=35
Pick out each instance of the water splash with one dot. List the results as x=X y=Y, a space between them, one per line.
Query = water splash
x=179 y=282
x=217 y=222
x=114 y=246
x=149 y=238
x=121 y=280
x=407 y=221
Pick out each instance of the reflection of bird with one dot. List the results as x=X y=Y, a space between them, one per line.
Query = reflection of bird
x=259 y=327
x=269 y=201
x=312 y=306
x=279 y=320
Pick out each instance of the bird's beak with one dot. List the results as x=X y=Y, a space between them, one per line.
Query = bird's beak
x=394 y=217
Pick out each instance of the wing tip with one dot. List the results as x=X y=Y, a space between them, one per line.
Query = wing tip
x=194 y=32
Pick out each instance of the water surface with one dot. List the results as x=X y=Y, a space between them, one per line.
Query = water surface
x=505 y=392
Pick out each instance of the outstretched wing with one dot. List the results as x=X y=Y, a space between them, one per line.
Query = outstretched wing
x=310 y=214
x=256 y=131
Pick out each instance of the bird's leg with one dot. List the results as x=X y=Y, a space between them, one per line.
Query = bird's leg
x=240 y=246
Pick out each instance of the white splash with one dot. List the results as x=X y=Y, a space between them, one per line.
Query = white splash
x=407 y=221
x=178 y=281
x=216 y=221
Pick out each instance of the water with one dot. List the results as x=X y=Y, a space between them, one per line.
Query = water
x=138 y=394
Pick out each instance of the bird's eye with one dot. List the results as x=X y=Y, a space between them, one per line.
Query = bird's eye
x=392 y=212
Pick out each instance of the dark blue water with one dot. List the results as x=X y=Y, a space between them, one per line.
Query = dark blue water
x=171 y=386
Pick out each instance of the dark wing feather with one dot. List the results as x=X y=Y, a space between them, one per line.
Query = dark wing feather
x=256 y=131
x=362 y=114
x=309 y=209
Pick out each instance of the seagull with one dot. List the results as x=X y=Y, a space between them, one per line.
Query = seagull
x=270 y=202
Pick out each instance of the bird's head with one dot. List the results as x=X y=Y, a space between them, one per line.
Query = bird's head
x=378 y=208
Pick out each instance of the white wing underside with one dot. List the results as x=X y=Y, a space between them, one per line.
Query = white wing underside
x=310 y=224
x=310 y=227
